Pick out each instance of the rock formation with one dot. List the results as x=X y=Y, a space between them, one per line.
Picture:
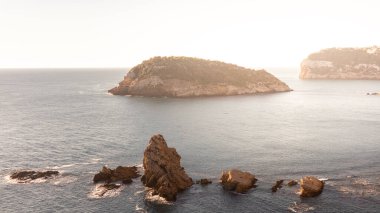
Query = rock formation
x=124 y=174
x=25 y=176
x=203 y=181
x=277 y=185
x=343 y=63
x=187 y=77
x=163 y=171
x=292 y=183
x=310 y=186
x=238 y=181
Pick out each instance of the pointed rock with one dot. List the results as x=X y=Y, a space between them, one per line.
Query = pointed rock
x=163 y=171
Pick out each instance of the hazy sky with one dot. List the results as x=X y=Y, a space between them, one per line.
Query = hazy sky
x=113 y=33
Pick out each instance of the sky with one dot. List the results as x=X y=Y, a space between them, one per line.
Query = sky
x=123 y=33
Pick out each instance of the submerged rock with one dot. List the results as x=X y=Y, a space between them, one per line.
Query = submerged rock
x=104 y=188
x=203 y=181
x=163 y=171
x=311 y=186
x=121 y=173
x=238 y=181
x=277 y=185
x=292 y=183
x=32 y=175
x=189 y=77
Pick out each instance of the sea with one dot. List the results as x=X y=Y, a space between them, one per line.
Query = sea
x=64 y=119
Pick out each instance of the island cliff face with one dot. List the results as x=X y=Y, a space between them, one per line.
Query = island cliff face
x=187 y=77
x=343 y=63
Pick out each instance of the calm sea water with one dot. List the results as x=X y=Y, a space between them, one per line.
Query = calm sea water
x=65 y=120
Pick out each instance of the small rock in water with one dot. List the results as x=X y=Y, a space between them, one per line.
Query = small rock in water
x=203 y=181
x=121 y=173
x=110 y=186
x=238 y=181
x=107 y=187
x=311 y=186
x=277 y=185
x=32 y=175
x=292 y=183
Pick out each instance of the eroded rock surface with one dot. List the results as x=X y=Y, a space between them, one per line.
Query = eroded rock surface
x=24 y=176
x=311 y=186
x=277 y=185
x=238 y=181
x=163 y=171
x=121 y=173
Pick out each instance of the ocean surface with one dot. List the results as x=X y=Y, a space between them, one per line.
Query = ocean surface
x=65 y=120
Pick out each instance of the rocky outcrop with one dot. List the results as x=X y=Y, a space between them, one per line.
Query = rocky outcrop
x=277 y=185
x=25 y=176
x=292 y=183
x=238 y=181
x=310 y=187
x=163 y=171
x=124 y=174
x=342 y=63
x=203 y=181
x=187 y=77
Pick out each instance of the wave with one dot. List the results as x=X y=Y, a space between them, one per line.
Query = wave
x=92 y=161
x=357 y=186
x=98 y=191
x=156 y=198
x=139 y=209
x=300 y=207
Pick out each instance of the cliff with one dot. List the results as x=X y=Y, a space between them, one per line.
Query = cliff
x=343 y=63
x=187 y=77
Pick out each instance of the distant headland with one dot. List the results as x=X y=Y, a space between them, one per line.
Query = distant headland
x=191 y=77
x=343 y=63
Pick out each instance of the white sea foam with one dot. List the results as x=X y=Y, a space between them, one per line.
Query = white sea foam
x=9 y=180
x=63 y=180
x=301 y=207
x=62 y=166
x=323 y=179
x=98 y=191
x=156 y=198
x=139 y=209
x=138 y=192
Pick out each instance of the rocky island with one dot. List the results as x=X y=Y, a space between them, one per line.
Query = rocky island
x=343 y=63
x=189 y=77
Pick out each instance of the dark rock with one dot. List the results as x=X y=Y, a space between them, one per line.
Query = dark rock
x=277 y=185
x=292 y=183
x=163 y=171
x=32 y=175
x=238 y=181
x=110 y=186
x=203 y=181
x=107 y=187
x=311 y=187
x=124 y=174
